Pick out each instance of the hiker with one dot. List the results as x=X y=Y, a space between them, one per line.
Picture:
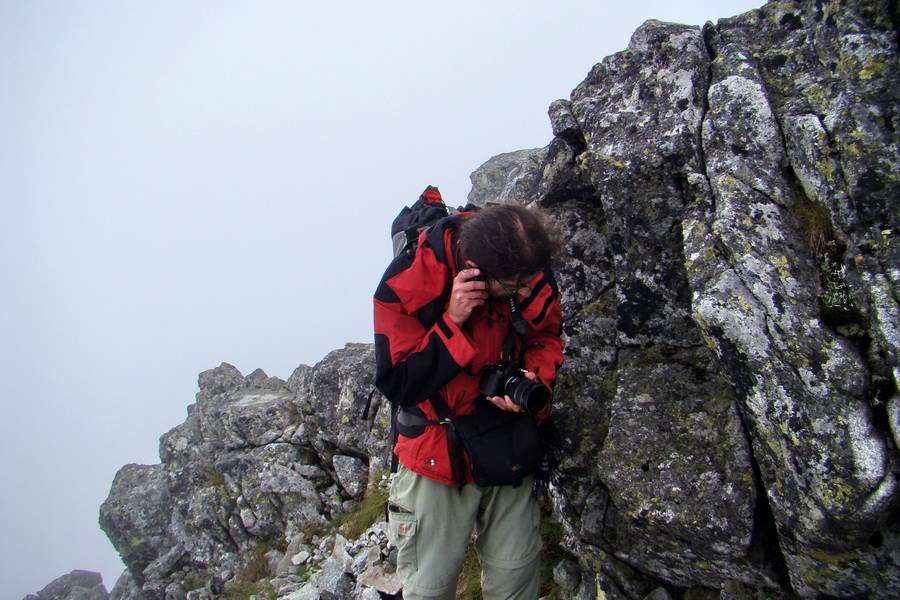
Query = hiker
x=467 y=337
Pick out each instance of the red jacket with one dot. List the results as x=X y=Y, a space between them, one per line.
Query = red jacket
x=421 y=352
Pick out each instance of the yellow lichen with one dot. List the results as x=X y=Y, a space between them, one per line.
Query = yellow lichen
x=872 y=70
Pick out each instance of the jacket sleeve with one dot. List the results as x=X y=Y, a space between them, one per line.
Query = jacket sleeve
x=412 y=360
x=542 y=348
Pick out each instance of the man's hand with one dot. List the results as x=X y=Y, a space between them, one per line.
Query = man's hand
x=506 y=403
x=466 y=295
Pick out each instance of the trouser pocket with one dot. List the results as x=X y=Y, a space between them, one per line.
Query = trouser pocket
x=403 y=524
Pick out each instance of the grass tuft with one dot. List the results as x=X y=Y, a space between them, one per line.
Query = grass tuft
x=258 y=567
x=368 y=511
x=815 y=226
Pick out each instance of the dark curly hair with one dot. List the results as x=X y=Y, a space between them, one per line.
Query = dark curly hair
x=506 y=241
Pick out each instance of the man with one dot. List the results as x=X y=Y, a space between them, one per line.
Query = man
x=442 y=316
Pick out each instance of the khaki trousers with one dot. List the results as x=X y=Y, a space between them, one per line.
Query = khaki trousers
x=432 y=526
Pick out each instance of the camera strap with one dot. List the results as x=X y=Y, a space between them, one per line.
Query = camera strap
x=519 y=327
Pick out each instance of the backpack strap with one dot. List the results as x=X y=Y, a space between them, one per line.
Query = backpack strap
x=457 y=458
x=412 y=419
x=365 y=414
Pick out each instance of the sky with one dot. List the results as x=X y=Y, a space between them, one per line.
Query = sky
x=186 y=183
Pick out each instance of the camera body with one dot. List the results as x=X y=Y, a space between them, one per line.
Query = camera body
x=508 y=379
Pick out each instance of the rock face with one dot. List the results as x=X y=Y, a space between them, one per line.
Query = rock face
x=744 y=180
x=77 y=585
x=258 y=463
x=728 y=201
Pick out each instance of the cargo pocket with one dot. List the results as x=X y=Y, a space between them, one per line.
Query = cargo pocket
x=403 y=525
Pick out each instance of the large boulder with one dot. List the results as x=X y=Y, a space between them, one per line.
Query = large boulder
x=77 y=585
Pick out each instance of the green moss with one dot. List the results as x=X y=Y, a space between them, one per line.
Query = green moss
x=245 y=590
x=602 y=158
x=835 y=559
x=553 y=538
x=252 y=581
x=838 y=494
x=214 y=477
x=846 y=65
x=596 y=435
x=600 y=308
x=826 y=167
x=782 y=264
x=816 y=96
x=194 y=580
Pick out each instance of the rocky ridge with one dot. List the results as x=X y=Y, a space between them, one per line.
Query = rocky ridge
x=727 y=198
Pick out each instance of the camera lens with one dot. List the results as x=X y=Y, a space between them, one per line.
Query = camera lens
x=530 y=395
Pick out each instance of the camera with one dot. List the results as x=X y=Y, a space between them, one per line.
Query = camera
x=508 y=379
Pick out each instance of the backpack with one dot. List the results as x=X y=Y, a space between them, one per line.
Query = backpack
x=405 y=230
x=413 y=220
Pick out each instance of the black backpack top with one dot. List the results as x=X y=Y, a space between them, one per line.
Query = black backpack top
x=415 y=219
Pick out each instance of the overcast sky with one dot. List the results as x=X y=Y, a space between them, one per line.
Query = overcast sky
x=195 y=182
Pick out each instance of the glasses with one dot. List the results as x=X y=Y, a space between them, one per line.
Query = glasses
x=521 y=288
